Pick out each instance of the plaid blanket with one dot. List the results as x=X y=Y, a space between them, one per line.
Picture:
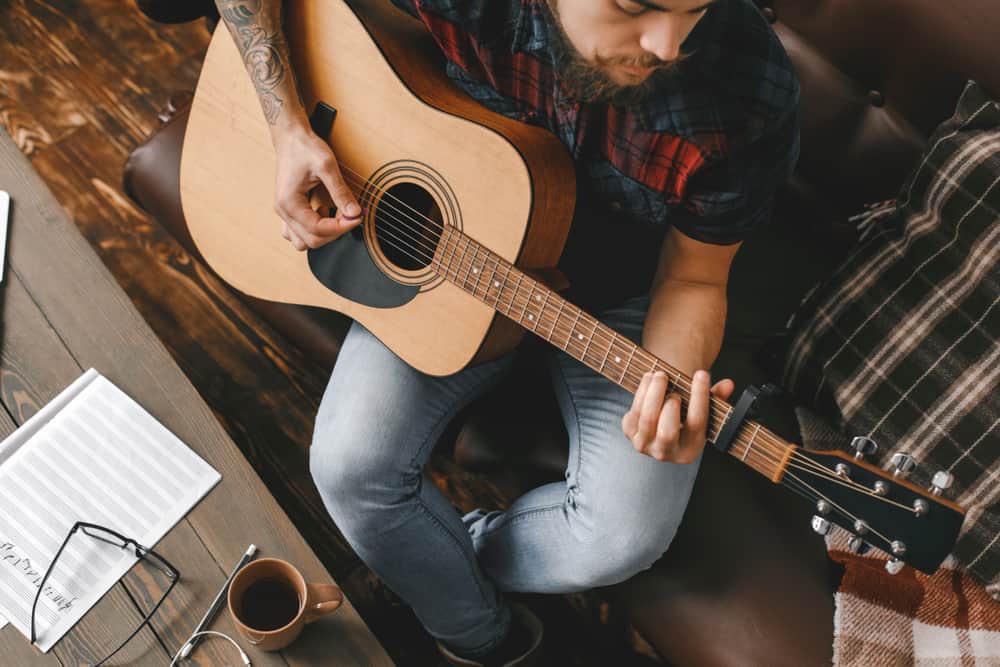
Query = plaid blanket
x=910 y=618
x=901 y=345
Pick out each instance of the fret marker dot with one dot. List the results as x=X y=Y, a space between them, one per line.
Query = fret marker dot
x=618 y=360
x=580 y=336
x=475 y=270
x=538 y=297
x=531 y=317
x=496 y=283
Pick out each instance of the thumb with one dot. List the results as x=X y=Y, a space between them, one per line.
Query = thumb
x=723 y=389
x=348 y=211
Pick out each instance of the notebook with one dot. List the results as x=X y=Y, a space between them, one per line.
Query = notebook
x=91 y=454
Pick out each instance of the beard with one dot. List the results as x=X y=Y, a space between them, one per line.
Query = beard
x=590 y=82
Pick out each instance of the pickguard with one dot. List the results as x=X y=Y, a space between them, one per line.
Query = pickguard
x=346 y=267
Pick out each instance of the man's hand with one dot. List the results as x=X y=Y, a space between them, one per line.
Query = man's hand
x=653 y=423
x=305 y=161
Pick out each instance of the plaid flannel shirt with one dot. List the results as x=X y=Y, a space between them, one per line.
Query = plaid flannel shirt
x=705 y=154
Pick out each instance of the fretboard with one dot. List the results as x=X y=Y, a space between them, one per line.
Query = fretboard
x=488 y=277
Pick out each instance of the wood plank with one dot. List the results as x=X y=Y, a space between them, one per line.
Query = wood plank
x=33 y=368
x=100 y=327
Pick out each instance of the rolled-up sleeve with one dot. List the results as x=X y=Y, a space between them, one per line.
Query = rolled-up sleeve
x=728 y=198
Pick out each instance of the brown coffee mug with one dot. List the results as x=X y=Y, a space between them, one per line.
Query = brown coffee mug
x=270 y=602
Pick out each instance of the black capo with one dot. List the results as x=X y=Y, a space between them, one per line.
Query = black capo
x=745 y=407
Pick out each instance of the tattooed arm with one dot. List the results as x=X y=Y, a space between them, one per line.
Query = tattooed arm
x=304 y=161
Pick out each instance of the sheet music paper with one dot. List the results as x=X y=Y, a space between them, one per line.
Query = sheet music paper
x=92 y=454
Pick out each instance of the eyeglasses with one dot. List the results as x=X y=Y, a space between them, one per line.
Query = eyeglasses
x=144 y=554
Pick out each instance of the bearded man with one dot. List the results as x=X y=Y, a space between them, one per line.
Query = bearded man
x=681 y=118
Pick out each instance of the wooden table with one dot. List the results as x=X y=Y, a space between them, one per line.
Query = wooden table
x=62 y=313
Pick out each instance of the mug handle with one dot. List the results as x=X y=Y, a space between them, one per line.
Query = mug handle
x=322 y=599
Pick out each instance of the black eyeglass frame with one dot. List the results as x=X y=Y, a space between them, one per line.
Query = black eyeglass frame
x=141 y=552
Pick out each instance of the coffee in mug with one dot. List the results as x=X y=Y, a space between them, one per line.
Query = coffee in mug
x=270 y=602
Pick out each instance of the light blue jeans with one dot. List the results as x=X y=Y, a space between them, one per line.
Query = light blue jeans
x=379 y=419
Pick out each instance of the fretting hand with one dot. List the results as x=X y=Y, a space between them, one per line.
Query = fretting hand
x=654 y=425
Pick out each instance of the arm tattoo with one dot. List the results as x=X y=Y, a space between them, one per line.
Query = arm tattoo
x=261 y=52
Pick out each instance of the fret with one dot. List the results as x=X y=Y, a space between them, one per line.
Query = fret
x=627 y=364
x=531 y=316
x=475 y=270
x=503 y=286
x=461 y=260
x=465 y=281
x=608 y=352
x=562 y=303
x=493 y=281
x=750 y=444
x=513 y=299
x=572 y=329
x=541 y=311
x=590 y=339
x=447 y=266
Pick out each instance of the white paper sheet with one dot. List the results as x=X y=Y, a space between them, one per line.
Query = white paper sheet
x=92 y=454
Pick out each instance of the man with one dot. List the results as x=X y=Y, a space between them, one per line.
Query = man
x=681 y=118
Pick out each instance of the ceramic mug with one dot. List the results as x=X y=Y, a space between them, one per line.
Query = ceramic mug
x=270 y=602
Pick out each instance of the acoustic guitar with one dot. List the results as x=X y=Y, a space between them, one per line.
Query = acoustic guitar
x=466 y=215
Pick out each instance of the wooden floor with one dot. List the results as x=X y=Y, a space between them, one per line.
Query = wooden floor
x=81 y=83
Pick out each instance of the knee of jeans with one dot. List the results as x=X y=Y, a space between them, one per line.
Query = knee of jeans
x=355 y=478
x=618 y=550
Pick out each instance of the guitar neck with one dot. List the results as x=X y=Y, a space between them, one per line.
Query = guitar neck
x=485 y=275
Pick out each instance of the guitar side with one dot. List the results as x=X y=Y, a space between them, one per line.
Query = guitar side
x=513 y=184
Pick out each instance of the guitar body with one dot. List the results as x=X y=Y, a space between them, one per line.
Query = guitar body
x=411 y=146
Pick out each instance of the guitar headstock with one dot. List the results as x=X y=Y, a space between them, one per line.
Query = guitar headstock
x=880 y=509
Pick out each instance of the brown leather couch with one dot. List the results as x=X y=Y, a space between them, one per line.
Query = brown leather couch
x=746 y=581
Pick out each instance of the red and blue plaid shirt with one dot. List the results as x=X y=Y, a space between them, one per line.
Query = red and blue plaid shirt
x=705 y=154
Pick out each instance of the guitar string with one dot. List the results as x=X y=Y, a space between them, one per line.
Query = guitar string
x=775 y=446
x=837 y=506
x=794 y=486
x=775 y=451
x=819 y=470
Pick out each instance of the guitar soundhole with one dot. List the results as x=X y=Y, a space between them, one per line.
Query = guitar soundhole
x=408 y=225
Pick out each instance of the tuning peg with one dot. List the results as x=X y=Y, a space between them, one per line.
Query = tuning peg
x=858 y=545
x=820 y=525
x=903 y=463
x=894 y=565
x=863 y=446
x=942 y=480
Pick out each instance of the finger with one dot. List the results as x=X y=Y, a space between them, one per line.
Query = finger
x=348 y=210
x=630 y=422
x=696 y=419
x=649 y=413
x=723 y=389
x=668 y=428
x=302 y=220
x=296 y=240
